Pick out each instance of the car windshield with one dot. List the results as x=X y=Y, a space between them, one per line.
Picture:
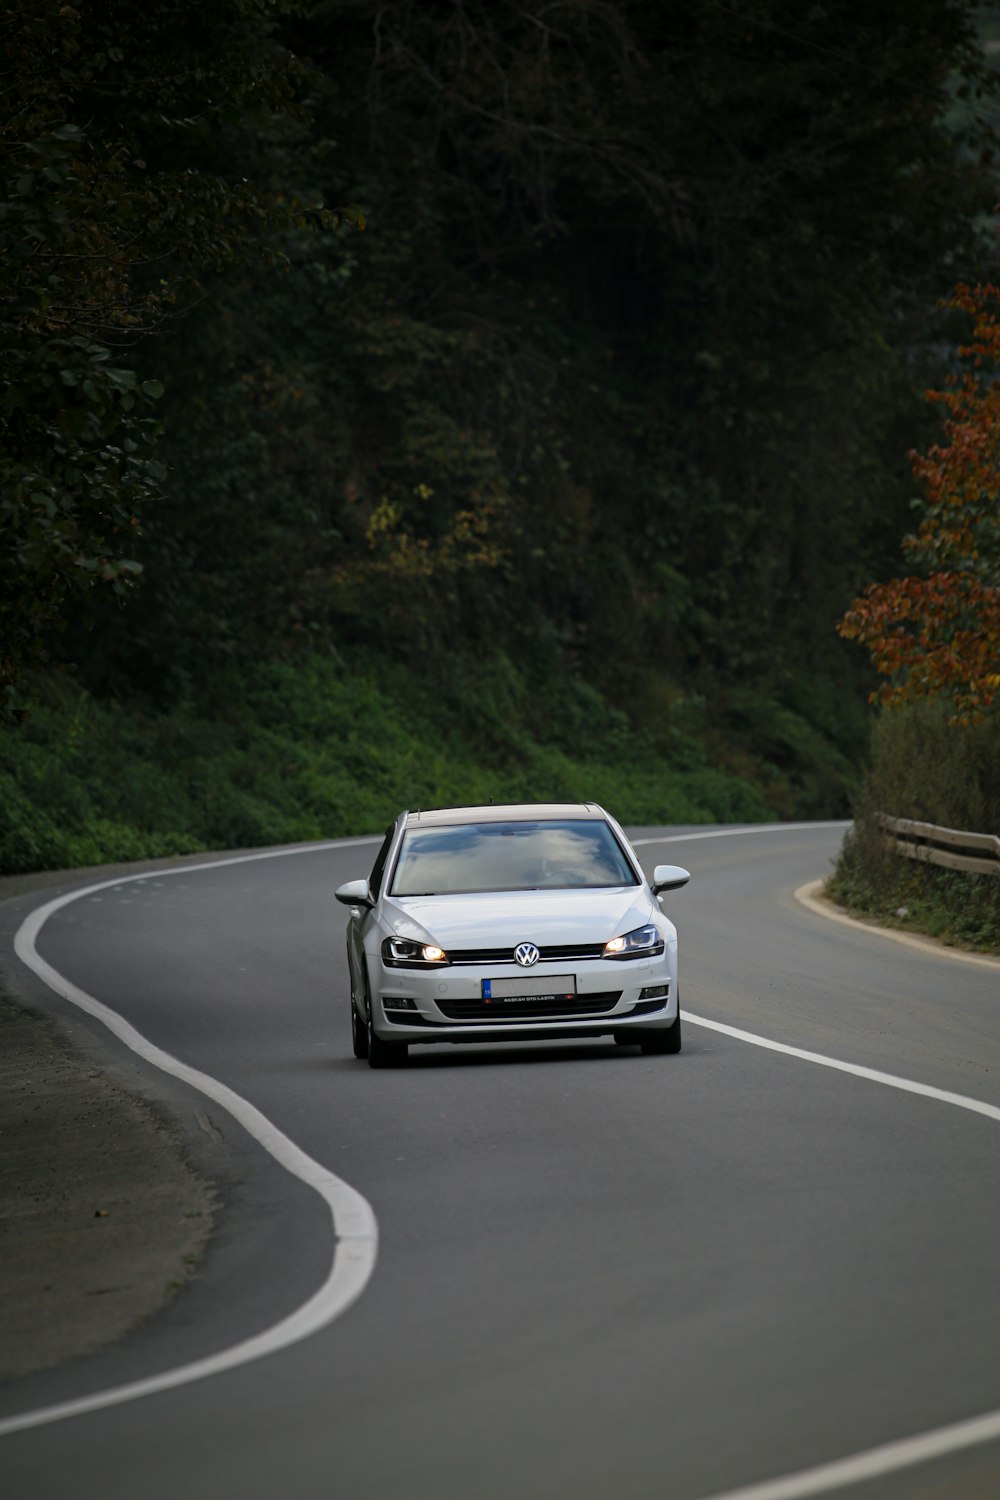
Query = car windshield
x=521 y=856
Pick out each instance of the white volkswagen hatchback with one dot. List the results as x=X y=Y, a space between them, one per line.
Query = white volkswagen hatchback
x=508 y=923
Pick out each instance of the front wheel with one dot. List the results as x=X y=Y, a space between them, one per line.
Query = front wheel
x=384 y=1054
x=359 y=1034
x=668 y=1040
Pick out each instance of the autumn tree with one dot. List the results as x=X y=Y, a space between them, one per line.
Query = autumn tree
x=936 y=632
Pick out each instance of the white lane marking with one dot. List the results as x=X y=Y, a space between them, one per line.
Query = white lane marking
x=872 y=1464
x=807 y=895
x=728 y=833
x=905 y=1452
x=355 y=1232
x=873 y=1075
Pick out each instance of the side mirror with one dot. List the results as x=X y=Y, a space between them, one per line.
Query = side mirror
x=670 y=877
x=354 y=893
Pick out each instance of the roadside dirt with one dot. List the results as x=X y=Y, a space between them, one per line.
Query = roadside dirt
x=102 y=1218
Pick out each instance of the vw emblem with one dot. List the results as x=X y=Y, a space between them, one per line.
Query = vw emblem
x=526 y=954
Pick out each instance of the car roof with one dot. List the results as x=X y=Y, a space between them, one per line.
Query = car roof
x=511 y=812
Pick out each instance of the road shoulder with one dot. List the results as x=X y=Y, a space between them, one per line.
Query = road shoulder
x=812 y=896
x=103 y=1214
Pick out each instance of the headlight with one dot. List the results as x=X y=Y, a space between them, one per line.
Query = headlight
x=641 y=942
x=402 y=953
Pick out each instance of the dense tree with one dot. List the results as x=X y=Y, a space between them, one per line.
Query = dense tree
x=641 y=296
x=118 y=207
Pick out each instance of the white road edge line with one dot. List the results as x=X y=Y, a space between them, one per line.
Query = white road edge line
x=809 y=896
x=355 y=1231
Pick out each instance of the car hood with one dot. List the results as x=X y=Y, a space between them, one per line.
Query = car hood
x=498 y=918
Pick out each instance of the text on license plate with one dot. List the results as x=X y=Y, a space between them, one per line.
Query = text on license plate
x=540 y=987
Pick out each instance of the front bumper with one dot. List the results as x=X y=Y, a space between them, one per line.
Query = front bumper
x=446 y=1005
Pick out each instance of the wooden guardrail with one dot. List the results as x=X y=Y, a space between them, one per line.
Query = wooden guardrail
x=950 y=847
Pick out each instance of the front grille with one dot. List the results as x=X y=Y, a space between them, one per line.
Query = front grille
x=499 y=1011
x=555 y=953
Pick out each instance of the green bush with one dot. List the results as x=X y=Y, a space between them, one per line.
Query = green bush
x=936 y=772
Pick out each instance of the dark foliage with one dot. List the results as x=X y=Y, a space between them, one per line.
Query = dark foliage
x=619 y=379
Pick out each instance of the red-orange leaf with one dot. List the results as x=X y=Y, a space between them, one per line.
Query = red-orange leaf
x=937 y=632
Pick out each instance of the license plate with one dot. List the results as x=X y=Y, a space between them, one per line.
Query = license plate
x=541 y=987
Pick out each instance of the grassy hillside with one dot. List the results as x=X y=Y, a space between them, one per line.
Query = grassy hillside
x=320 y=749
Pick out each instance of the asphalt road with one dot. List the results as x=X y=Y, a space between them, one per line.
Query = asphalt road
x=599 y=1274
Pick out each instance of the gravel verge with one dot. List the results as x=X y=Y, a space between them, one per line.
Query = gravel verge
x=103 y=1216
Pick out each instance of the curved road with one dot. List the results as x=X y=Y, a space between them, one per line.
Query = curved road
x=599 y=1274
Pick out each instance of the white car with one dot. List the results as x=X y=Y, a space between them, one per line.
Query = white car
x=508 y=923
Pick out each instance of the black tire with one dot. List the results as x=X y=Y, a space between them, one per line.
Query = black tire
x=359 y=1034
x=626 y=1038
x=359 y=1031
x=668 y=1040
x=383 y=1054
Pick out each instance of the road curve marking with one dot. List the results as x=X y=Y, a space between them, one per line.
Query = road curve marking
x=873 y=1075
x=873 y=1463
x=808 y=896
x=904 y=1452
x=355 y=1232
